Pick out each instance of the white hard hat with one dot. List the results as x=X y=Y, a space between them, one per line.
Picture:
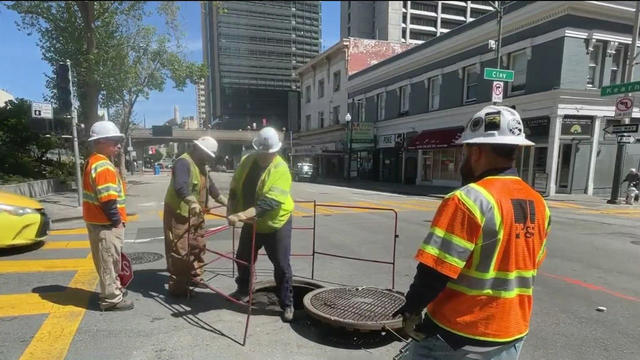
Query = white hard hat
x=208 y=144
x=495 y=125
x=104 y=129
x=267 y=141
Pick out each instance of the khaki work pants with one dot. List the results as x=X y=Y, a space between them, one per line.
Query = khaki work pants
x=179 y=237
x=106 y=249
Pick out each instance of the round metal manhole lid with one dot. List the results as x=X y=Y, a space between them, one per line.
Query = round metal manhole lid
x=143 y=257
x=355 y=308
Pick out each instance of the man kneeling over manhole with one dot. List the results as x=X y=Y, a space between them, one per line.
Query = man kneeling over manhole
x=479 y=260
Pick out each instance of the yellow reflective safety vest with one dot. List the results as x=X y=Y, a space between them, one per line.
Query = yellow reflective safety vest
x=197 y=185
x=275 y=183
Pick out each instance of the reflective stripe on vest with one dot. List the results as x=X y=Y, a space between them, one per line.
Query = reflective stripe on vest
x=490 y=299
x=93 y=193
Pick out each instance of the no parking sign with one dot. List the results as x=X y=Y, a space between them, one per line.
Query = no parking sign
x=496 y=91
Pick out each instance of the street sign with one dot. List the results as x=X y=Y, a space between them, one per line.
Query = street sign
x=496 y=91
x=498 y=74
x=622 y=129
x=625 y=139
x=624 y=107
x=629 y=87
x=41 y=110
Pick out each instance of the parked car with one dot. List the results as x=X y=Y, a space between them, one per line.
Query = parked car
x=23 y=221
x=303 y=171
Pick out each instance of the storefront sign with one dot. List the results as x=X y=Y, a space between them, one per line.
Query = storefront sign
x=386 y=141
x=576 y=126
x=361 y=132
x=536 y=127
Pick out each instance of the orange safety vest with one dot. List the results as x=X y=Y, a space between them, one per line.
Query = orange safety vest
x=101 y=183
x=489 y=237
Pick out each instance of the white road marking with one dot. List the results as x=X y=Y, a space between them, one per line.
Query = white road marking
x=144 y=240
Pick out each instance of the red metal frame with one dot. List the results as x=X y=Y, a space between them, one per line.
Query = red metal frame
x=230 y=255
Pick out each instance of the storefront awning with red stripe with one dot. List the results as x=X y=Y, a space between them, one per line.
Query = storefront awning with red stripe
x=436 y=139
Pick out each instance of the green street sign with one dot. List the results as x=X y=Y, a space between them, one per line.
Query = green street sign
x=498 y=74
x=620 y=88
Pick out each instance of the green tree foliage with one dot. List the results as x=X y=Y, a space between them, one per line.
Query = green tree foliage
x=23 y=151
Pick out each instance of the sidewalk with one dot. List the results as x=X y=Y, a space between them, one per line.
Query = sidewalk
x=395 y=188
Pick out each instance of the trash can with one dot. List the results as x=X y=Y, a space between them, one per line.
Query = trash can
x=156 y=169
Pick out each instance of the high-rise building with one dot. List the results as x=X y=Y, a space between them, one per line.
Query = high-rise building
x=252 y=50
x=201 y=109
x=406 y=21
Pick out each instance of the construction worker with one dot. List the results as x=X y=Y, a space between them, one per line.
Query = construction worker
x=103 y=210
x=186 y=197
x=477 y=265
x=260 y=189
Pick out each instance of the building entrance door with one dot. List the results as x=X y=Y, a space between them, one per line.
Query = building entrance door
x=565 y=168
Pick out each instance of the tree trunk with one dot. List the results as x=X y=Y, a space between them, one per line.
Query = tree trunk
x=91 y=88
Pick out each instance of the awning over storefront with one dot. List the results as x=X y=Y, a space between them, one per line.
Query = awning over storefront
x=436 y=139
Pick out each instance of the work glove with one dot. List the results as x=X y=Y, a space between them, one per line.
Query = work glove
x=243 y=215
x=409 y=322
x=222 y=200
x=194 y=206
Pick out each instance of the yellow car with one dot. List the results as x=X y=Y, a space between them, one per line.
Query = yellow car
x=23 y=220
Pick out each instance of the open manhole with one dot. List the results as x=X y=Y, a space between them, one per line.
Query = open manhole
x=143 y=257
x=355 y=308
x=265 y=298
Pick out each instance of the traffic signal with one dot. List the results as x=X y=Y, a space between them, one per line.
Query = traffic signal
x=63 y=86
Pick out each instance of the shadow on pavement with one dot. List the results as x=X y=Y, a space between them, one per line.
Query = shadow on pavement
x=151 y=283
x=68 y=296
x=21 y=249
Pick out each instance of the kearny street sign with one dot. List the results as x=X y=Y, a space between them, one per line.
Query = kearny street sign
x=620 y=88
x=498 y=74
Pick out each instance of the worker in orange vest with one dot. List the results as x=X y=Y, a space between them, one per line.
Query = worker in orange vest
x=104 y=212
x=477 y=265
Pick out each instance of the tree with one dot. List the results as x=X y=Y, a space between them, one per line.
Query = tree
x=115 y=57
x=23 y=151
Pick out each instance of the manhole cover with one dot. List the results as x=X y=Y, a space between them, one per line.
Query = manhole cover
x=636 y=242
x=142 y=257
x=361 y=308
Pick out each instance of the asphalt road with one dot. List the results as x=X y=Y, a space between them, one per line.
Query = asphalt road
x=48 y=307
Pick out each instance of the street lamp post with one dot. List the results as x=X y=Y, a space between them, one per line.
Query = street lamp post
x=347 y=118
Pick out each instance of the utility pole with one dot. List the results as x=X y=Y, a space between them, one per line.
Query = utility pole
x=617 y=174
x=498 y=7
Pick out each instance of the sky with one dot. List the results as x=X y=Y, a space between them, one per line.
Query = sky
x=23 y=69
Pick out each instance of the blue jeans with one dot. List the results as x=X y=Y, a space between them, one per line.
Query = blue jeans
x=434 y=348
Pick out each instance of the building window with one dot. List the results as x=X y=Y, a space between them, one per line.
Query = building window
x=594 y=65
x=424 y=7
x=421 y=36
x=380 y=99
x=616 y=66
x=307 y=94
x=307 y=120
x=336 y=115
x=449 y=24
x=360 y=105
x=455 y=11
x=423 y=22
x=434 y=93
x=404 y=99
x=320 y=119
x=336 y=81
x=320 y=88
x=471 y=75
x=518 y=63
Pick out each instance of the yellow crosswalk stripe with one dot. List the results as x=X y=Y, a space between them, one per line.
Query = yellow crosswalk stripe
x=78 y=231
x=50 y=245
x=27 y=266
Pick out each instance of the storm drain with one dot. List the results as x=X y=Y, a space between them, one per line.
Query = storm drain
x=355 y=308
x=142 y=257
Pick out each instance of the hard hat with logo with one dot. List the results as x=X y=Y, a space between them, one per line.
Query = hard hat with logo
x=495 y=125
x=267 y=141
x=208 y=145
x=104 y=129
